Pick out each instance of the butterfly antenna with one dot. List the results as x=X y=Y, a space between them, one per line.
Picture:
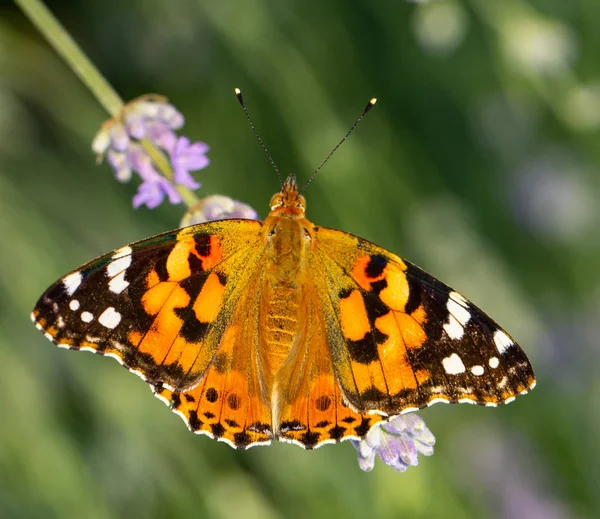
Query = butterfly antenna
x=370 y=105
x=238 y=94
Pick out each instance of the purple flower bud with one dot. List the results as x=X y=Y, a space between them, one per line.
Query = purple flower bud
x=118 y=137
x=146 y=107
x=186 y=158
x=168 y=114
x=397 y=442
x=118 y=161
x=101 y=141
x=136 y=125
x=141 y=162
x=152 y=193
x=161 y=135
x=217 y=207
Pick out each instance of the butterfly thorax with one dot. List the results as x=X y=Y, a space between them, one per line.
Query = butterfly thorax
x=288 y=237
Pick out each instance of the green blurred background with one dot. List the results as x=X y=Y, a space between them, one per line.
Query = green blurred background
x=479 y=163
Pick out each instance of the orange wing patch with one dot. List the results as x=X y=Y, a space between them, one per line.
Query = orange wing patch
x=353 y=317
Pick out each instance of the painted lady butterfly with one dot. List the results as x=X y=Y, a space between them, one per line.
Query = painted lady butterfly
x=253 y=331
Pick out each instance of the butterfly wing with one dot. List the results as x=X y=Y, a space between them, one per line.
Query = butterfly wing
x=401 y=340
x=162 y=308
x=311 y=408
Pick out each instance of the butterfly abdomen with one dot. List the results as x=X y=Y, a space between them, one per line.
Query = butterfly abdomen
x=279 y=326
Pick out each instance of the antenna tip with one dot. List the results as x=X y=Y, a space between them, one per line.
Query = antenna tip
x=238 y=94
x=369 y=105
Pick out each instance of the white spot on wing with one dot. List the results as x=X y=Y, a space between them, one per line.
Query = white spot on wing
x=409 y=410
x=477 y=370
x=494 y=362
x=458 y=316
x=453 y=365
x=74 y=305
x=114 y=356
x=461 y=314
x=268 y=442
x=166 y=401
x=377 y=412
x=87 y=317
x=459 y=298
x=502 y=341
x=138 y=373
x=110 y=318
x=453 y=328
x=118 y=283
x=438 y=401
x=117 y=266
x=72 y=282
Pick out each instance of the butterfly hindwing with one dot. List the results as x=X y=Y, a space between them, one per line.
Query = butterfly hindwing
x=312 y=409
x=403 y=340
x=228 y=403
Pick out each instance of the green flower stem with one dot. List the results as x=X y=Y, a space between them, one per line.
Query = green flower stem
x=64 y=45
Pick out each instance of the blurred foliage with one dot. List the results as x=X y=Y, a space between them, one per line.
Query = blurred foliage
x=479 y=163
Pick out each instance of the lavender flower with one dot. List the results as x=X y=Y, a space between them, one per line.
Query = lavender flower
x=186 y=158
x=397 y=442
x=217 y=207
x=154 y=186
x=150 y=117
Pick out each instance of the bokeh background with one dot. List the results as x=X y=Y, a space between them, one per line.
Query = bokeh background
x=479 y=163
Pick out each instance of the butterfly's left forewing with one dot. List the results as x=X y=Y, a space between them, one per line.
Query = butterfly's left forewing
x=402 y=340
x=158 y=306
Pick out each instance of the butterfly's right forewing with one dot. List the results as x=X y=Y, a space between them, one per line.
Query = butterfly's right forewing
x=402 y=340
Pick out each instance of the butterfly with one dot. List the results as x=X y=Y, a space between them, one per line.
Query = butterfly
x=253 y=331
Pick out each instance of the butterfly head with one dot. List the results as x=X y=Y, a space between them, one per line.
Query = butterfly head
x=288 y=202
